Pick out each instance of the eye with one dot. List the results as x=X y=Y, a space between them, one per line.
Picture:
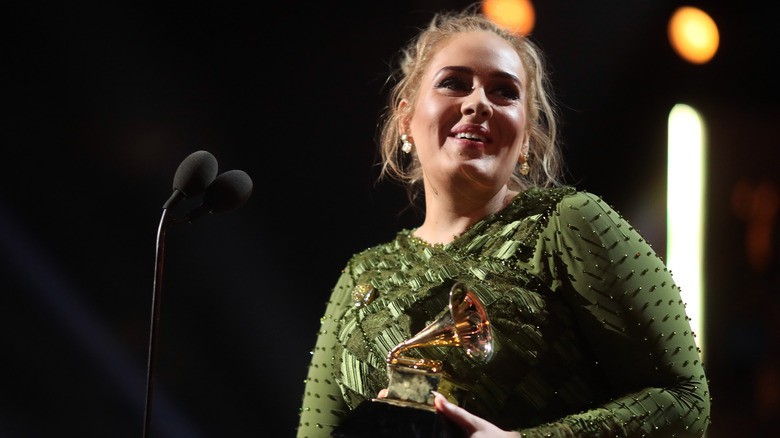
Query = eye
x=454 y=83
x=507 y=92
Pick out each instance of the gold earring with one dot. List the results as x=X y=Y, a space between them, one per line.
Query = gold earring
x=407 y=145
x=524 y=167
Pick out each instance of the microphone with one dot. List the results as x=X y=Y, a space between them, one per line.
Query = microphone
x=229 y=191
x=193 y=176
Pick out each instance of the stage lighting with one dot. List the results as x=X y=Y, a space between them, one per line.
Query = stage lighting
x=516 y=15
x=693 y=35
x=686 y=190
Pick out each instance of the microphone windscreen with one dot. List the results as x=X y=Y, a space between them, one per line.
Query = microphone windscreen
x=228 y=191
x=195 y=173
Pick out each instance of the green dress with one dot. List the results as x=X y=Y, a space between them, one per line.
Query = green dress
x=590 y=334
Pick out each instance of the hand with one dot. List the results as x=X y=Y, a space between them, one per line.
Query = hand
x=473 y=426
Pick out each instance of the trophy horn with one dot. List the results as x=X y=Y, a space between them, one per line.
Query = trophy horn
x=464 y=325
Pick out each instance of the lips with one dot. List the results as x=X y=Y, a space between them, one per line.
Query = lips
x=471 y=132
x=471 y=136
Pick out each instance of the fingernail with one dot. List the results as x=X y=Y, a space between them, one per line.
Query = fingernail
x=443 y=400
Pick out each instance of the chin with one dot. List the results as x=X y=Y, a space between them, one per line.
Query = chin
x=479 y=177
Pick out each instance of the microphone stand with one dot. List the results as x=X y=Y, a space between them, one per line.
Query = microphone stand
x=155 y=320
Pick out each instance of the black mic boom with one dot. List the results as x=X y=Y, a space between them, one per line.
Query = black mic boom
x=228 y=191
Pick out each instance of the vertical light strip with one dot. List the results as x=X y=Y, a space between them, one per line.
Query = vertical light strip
x=685 y=194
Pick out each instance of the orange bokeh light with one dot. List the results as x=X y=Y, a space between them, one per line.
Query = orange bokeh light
x=516 y=15
x=693 y=35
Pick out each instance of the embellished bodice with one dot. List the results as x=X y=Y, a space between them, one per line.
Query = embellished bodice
x=586 y=320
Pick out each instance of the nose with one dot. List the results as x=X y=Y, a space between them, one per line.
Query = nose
x=477 y=105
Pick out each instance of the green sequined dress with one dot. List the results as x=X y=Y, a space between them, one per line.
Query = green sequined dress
x=590 y=334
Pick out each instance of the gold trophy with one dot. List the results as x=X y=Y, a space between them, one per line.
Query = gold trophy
x=408 y=409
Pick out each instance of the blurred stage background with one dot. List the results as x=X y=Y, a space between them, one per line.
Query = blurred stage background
x=103 y=100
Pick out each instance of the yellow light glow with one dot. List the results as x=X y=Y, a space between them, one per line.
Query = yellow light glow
x=693 y=35
x=685 y=199
x=516 y=15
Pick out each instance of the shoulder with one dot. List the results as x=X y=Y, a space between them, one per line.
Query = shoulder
x=580 y=202
x=543 y=201
x=558 y=197
x=362 y=267
x=567 y=210
x=373 y=257
x=586 y=208
x=540 y=204
x=588 y=221
x=560 y=201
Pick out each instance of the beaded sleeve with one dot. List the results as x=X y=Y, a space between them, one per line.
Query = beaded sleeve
x=323 y=404
x=632 y=317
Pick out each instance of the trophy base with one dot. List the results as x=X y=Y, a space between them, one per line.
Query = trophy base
x=384 y=418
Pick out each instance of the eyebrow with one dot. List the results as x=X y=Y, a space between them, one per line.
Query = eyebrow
x=469 y=70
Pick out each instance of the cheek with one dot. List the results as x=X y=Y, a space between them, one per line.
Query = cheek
x=430 y=114
x=514 y=125
x=520 y=122
x=519 y=115
x=424 y=117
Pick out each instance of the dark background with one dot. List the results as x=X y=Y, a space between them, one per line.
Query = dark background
x=103 y=100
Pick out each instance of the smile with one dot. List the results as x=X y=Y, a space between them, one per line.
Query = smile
x=471 y=136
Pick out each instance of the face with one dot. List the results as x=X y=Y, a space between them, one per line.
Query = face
x=469 y=119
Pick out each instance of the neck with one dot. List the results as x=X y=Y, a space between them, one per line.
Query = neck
x=449 y=214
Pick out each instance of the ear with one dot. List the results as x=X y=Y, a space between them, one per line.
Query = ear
x=524 y=149
x=405 y=117
x=526 y=144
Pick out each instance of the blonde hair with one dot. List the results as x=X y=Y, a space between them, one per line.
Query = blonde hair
x=544 y=155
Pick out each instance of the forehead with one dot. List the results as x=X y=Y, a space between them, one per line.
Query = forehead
x=484 y=52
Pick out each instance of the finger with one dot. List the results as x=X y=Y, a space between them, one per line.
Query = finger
x=382 y=393
x=463 y=418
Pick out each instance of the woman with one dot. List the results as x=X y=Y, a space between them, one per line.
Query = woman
x=590 y=334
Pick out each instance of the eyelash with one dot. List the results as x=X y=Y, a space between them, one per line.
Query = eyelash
x=458 y=84
x=509 y=93
x=453 y=84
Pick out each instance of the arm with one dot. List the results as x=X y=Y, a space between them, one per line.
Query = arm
x=323 y=404
x=630 y=313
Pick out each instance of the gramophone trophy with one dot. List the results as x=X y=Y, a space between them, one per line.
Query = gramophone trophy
x=407 y=410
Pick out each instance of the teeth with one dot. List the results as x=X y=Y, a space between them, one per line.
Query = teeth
x=470 y=136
